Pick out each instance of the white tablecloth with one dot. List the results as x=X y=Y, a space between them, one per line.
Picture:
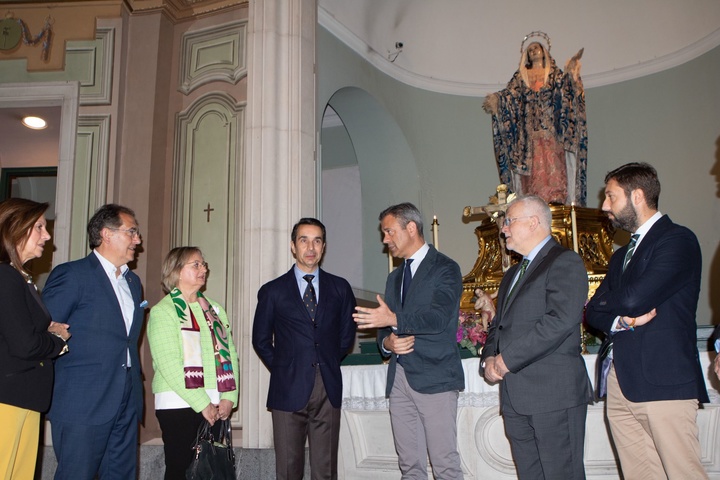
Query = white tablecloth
x=364 y=385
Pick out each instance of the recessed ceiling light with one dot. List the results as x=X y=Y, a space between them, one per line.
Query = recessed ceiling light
x=36 y=123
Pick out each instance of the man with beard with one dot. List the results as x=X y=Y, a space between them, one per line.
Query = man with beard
x=647 y=305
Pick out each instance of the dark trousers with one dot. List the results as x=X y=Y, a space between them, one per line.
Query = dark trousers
x=108 y=450
x=319 y=423
x=547 y=445
x=179 y=431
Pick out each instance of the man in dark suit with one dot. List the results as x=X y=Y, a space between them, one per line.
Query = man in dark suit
x=533 y=348
x=647 y=303
x=418 y=325
x=97 y=399
x=303 y=328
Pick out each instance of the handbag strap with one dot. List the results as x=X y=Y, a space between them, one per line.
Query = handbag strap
x=225 y=433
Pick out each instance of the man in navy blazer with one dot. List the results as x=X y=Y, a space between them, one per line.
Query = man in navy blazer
x=647 y=304
x=98 y=394
x=533 y=348
x=417 y=324
x=303 y=328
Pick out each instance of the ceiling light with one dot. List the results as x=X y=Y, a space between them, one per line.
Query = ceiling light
x=36 y=123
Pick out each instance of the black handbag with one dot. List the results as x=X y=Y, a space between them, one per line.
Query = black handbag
x=214 y=460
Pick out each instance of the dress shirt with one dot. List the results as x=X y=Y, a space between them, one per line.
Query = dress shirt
x=122 y=292
x=302 y=283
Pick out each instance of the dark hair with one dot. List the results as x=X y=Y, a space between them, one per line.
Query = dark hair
x=173 y=263
x=633 y=176
x=17 y=218
x=405 y=213
x=107 y=216
x=307 y=221
x=528 y=62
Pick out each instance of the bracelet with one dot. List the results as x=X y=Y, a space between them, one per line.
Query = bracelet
x=631 y=326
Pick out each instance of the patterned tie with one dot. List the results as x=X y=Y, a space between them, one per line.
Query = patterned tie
x=523 y=267
x=407 y=278
x=631 y=248
x=309 y=297
x=605 y=356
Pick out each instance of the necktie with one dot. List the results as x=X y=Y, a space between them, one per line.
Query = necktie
x=605 y=356
x=631 y=248
x=523 y=267
x=309 y=296
x=407 y=279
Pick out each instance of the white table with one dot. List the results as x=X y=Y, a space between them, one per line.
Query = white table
x=366 y=443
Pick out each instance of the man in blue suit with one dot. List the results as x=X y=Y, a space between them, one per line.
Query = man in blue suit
x=647 y=304
x=97 y=398
x=417 y=325
x=303 y=328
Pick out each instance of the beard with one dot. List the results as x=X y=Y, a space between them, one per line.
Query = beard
x=625 y=219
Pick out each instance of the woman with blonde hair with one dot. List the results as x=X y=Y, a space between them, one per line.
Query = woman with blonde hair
x=29 y=340
x=194 y=358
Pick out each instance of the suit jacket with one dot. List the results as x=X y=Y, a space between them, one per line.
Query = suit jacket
x=430 y=313
x=26 y=347
x=90 y=378
x=659 y=360
x=538 y=333
x=291 y=345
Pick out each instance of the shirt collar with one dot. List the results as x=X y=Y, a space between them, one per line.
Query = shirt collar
x=533 y=253
x=109 y=268
x=645 y=227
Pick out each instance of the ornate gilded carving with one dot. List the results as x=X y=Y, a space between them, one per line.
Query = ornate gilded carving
x=595 y=245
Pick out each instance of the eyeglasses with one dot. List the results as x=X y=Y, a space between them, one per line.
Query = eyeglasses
x=510 y=220
x=133 y=232
x=196 y=265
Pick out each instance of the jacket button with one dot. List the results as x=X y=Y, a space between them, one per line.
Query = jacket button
x=500 y=327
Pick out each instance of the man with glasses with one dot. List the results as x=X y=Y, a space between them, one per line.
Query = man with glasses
x=97 y=398
x=533 y=348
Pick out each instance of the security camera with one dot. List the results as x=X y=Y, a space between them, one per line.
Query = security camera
x=398 y=45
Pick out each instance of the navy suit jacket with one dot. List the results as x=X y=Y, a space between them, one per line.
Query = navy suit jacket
x=659 y=360
x=291 y=345
x=430 y=313
x=538 y=333
x=90 y=378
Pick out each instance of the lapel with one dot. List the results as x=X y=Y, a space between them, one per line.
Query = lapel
x=104 y=281
x=645 y=247
x=423 y=271
x=534 y=265
x=299 y=303
x=326 y=288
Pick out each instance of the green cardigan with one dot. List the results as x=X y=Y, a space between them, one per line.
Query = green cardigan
x=167 y=354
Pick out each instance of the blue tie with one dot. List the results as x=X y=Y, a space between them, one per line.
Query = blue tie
x=407 y=279
x=309 y=297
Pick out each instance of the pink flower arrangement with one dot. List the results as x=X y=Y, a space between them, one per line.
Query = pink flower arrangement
x=473 y=326
x=471 y=332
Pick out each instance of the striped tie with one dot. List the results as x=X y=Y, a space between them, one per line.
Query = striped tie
x=523 y=267
x=631 y=248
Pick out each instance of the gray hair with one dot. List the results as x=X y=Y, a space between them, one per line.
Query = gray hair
x=405 y=213
x=538 y=207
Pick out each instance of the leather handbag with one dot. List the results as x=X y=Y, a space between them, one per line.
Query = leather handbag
x=214 y=459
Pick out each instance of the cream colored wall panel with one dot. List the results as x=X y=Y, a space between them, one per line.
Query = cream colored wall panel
x=208 y=155
x=89 y=177
x=91 y=62
x=213 y=54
